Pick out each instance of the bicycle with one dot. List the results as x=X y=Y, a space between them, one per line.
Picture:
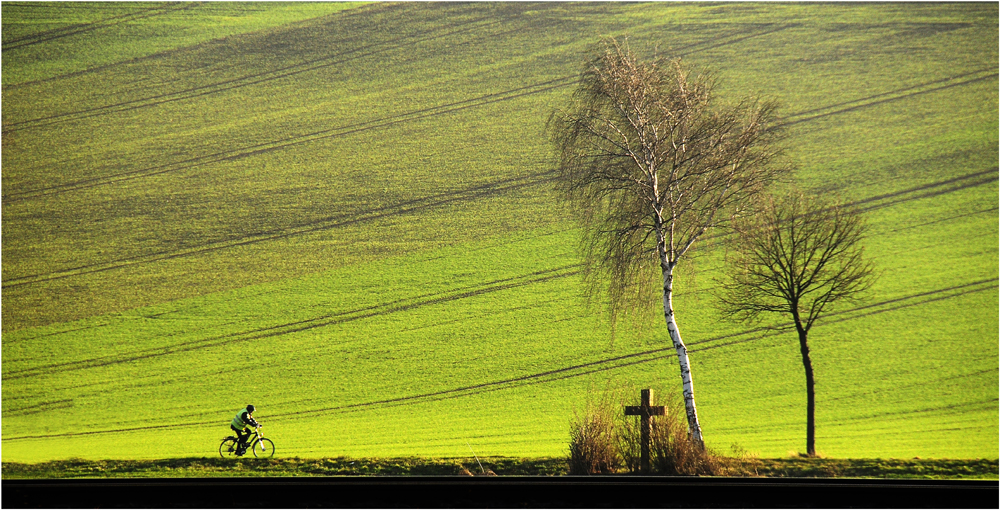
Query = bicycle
x=261 y=446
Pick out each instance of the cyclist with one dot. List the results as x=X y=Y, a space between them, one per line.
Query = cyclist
x=243 y=419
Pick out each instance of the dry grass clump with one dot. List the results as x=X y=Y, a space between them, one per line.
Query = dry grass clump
x=604 y=441
x=592 y=446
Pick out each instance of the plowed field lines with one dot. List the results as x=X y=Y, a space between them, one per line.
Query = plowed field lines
x=302 y=325
x=284 y=143
x=929 y=190
x=737 y=36
x=408 y=207
x=260 y=148
x=58 y=33
x=548 y=376
x=335 y=59
x=423 y=113
x=469 y=194
x=989 y=73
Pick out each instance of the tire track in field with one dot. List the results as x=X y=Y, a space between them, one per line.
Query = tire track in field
x=897 y=414
x=419 y=114
x=956 y=291
x=960 y=182
x=978 y=178
x=58 y=33
x=561 y=81
x=264 y=147
x=39 y=408
x=324 y=62
x=623 y=361
x=658 y=354
x=987 y=177
x=426 y=203
x=338 y=221
x=377 y=310
x=615 y=363
x=284 y=143
x=949 y=218
x=734 y=37
x=257 y=78
x=868 y=394
x=932 y=189
x=342 y=15
x=546 y=376
x=895 y=95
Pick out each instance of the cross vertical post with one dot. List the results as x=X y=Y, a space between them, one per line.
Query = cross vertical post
x=644 y=412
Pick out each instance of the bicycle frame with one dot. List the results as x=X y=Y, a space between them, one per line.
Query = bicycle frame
x=254 y=438
x=257 y=437
x=251 y=438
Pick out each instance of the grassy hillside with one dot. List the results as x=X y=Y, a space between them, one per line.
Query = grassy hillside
x=345 y=221
x=52 y=39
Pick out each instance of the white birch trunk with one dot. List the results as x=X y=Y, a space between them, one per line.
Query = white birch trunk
x=682 y=357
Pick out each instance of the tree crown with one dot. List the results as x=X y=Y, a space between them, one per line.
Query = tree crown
x=796 y=255
x=649 y=161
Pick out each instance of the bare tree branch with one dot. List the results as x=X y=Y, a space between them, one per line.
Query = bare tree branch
x=798 y=258
x=649 y=162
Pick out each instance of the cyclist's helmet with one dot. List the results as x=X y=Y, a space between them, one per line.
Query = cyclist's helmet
x=250 y=408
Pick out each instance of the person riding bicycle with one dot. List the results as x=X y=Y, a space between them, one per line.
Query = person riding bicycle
x=243 y=419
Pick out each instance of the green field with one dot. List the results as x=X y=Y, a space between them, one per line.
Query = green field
x=342 y=214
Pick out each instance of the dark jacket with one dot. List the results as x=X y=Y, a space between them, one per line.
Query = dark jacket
x=249 y=419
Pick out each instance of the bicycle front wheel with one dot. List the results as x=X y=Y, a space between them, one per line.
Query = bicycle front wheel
x=263 y=448
x=228 y=448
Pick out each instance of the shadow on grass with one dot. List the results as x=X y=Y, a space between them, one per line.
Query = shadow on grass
x=492 y=466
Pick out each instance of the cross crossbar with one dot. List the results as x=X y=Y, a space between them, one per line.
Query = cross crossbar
x=645 y=412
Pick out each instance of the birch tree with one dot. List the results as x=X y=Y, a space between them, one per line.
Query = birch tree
x=649 y=162
x=797 y=258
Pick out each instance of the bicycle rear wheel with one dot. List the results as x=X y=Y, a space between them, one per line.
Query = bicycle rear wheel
x=228 y=448
x=263 y=448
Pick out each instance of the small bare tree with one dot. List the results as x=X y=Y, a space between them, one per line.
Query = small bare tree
x=649 y=162
x=798 y=258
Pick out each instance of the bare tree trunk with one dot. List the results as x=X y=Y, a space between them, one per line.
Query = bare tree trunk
x=810 y=392
x=682 y=357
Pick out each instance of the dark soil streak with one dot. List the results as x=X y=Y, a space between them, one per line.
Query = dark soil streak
x=883 y=94
x=288 y=142
x=980 y=182
x=50 y=35
x=949 y=218
x=891 y=99
x=39 y=408
x=736 y=40
x=469 y=390
x=320 y=63
x=57 y=333
x=779 y=330
x=574 y=371
x=427 y=203
x=992 y=173
x=359 y=11
x=339 y=221
x=250 y=79
x=303 y=325
x=563 y=373
x=260 y=148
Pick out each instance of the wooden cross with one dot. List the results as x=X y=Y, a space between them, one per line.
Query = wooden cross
x=645 y=411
